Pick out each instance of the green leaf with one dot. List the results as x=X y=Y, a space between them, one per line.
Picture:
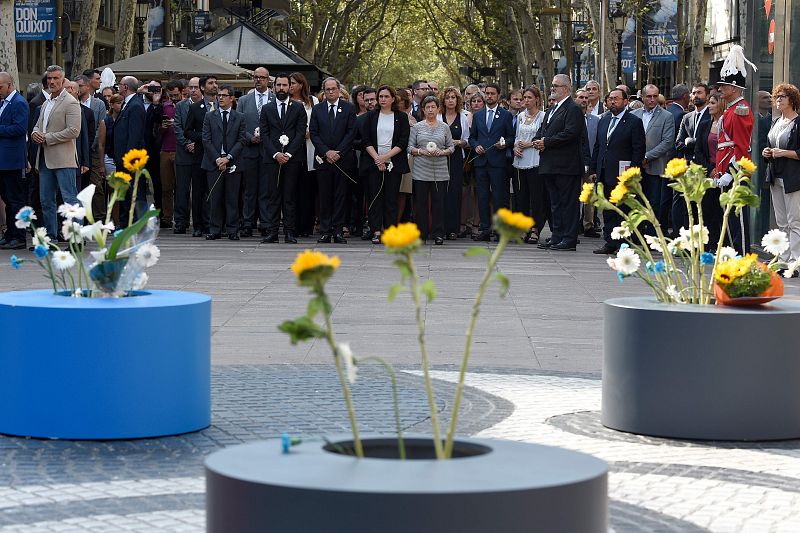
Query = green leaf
x=315 y=306
x=405 y=270
x=429 y=290
x=301 y=329
x=474 y=251
x=504 y=283
x=121 y=239
x=393 y=291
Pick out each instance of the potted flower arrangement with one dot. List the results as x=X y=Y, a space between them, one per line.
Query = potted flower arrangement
x=674 y=365
x=112 y=386
x=357 y=483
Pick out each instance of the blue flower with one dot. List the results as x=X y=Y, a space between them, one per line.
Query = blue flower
x=40 y=251
x=286 y=442
x=620 y=277
x=15 y=262
x=659 y=267
x=25 y=214
x=649 y=267
x=623 y=246
x=707 y=258
x=117 y=232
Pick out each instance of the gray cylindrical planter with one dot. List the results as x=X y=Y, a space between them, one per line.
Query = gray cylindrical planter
x=702 y=371
x=514 y=487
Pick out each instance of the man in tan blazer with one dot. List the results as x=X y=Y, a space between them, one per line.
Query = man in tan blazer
x=55 y=132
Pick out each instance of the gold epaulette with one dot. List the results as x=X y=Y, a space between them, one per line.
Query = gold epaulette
x=742 y=110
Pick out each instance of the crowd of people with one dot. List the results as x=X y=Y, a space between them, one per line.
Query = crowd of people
x=348 y=164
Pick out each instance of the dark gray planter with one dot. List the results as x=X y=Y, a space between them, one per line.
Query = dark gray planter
x=702 y=371
x=512 y=487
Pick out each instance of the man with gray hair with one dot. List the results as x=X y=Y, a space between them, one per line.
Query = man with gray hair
x=13 y=186
x=97 y=173
x=129 y=134
x=594 y=106
x=58 y=126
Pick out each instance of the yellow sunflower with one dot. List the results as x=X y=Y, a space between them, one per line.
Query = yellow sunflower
x=676 y=167
x=310 y=260
x=747 y=165
x=618 y=193
x=586 y=193
x=124 y=176
x=631 y=172
x=135 y=159
x=401 y=236
x=519 y=221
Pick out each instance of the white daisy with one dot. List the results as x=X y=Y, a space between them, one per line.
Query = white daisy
x=319 y=159
x=431 y=146
x=697 y=236
x=790 y=268
x=654 y=243
x=284 y=140
x=349 y=362
x=621 y=232
x=726 y=253
x=71 y=231
x=628 y=261
x=89 y=232
x=40 y=237
x=674 y=294
x=148 y=255
x=611 y=262
x=775 y=242
x=63 y=260
x=24 y=217
x=70 y=211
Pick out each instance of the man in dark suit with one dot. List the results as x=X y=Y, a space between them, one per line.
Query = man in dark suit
x=365 y=163
x=154 y=116
x=489 y=126
x=97 y=173
x=13 y=186
x=251 y=163
x=620 y=144
x=184 y=157
x=194 y=133
x=685 y=144
x=282 y=120
x=333 y=129
x=560 y=164
x=129 y=134
x=223 y=138
x=84 y=140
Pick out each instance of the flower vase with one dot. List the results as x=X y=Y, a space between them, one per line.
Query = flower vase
x=106 y=274
x=775 y=290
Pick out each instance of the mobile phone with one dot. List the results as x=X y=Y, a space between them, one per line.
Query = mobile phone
x=153 y=89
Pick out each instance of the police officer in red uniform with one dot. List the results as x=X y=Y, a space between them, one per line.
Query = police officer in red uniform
x=735 y=134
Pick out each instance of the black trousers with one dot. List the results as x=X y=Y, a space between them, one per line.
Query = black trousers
x=385 y=187
x=306 y=201
x=154 y=168
x=183 y=187
x=199 y=194
x=14 y=193
x=538 y=198
x=223 y=205
x=332 y=198
x=712 y=216
x=565 y=208
x=256 y=197
x=355 y=203
x=436 y=191
x=282 y=195
x=452 y=202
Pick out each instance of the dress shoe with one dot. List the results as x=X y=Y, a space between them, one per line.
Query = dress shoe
x=233 y=236
x=247 y=232
x=376 y=239
x=289 y=239
x=165 y=225
x=464 y=234
x=263 y=232
x=325 y=239
x=438 y=241
x=451 y=236
x=544 y=245
x=339 y=239
x=13 y=244
x=212 y=236
x=179 y=231
x=563 y=247
x=197 y=233
x=484 y=236
x=591 y=233
x=606 y=249
x=366 y=234
x=495 y=237
x=269 y=239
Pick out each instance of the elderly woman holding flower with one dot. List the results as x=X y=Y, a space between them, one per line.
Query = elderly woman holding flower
x=431 y=144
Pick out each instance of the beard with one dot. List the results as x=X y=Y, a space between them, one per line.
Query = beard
x=281 y=95
x=699 y=102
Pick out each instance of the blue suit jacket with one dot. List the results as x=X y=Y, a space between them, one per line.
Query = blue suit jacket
x=502 y=126
x=625 y=144
x=13 y=125
x=129 y=128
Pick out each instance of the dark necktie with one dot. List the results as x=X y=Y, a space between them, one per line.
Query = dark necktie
x=331 y=115
x=283 y=110
x=224 y=128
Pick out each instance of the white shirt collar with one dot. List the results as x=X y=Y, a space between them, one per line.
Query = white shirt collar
x=622 y=113
x=128 y=98
x=644 y=110
x=561 y=101
x=282 y=101
x=10 y=95
x=265 y=94
x=493 y=110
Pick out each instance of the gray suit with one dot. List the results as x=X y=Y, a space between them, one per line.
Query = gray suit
x=659 y=147
x=223 y=186
x=253 y=172
x=99 y=110
x=590 y=219
x=183 y=166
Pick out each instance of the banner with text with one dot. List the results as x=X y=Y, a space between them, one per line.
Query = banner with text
x=661 y=31
x=35 y=20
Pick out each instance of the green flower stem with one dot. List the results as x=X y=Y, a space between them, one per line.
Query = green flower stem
x=694 y=297
x=723 y=230
x=705 y=297
x=451 y=432
x=401 y=445
x=133 y=197
x=50 y=271
x=348 y=400
x=668 y=259
x=437 y=438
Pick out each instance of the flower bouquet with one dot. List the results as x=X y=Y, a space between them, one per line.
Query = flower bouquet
x=117 y=266
x=679 y=269
x=314 y=269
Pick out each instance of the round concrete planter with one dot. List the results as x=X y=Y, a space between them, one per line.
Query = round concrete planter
x=105 y=368
x=702 y=371
x=497 y=486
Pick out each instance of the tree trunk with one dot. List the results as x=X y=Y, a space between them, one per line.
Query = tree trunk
x=123 y=40
x=697 y=43
x=8 y=42
x=611 y=46
x=84 y=47
x=522 y=55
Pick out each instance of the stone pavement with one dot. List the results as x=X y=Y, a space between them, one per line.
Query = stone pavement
x=534 y=377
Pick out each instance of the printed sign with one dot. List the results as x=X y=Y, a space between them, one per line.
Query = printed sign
x=35 y=20
x=661 y=31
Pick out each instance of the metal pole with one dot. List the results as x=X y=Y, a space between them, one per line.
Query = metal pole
x=619 y=58
x=58 y=46
x=140 y=30
x=601 y=77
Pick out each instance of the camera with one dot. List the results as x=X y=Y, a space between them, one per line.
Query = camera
x=154 y=89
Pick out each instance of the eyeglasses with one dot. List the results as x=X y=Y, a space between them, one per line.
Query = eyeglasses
x=260 y=77
x=781 y=96
x=224 y=96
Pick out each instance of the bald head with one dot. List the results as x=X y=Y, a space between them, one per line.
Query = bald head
x=128 y=85
x=6 y=84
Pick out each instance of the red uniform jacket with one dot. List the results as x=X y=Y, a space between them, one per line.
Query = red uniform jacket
x=735 y=135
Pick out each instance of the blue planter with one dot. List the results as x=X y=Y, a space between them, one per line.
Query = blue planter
x=105 y=368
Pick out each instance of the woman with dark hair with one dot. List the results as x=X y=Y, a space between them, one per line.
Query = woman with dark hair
x=533 y=199
x=432 y=144
x=453 y=115
x=300 y=91
x=358 y=99
x=705 y=154
x=783 y=167
x=385 y=136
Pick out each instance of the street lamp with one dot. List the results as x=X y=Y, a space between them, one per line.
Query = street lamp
x=142 y=10
x=556 y=52
x=578 y=39
x=620 y=18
